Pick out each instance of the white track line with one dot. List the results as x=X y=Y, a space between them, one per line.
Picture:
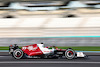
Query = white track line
x=42 y=62
x=2 y=56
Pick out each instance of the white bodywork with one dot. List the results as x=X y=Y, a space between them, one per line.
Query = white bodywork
x=44 y=49
x=80 y=54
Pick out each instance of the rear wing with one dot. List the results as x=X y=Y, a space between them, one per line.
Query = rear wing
x=12 y=48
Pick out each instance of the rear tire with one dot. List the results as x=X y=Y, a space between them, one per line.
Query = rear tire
x=70 y=54
x=18 y=54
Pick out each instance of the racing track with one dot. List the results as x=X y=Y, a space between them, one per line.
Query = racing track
x=8 y=61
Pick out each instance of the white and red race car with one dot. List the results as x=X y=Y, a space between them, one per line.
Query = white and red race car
x=39 y=51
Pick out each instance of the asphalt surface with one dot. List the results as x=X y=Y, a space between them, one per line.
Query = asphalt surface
x=88 y=59
x=49 y=65
x=91 y=61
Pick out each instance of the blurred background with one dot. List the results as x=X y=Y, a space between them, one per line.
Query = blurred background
x=54 y=22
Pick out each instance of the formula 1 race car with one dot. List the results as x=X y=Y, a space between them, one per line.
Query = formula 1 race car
x=39 y=51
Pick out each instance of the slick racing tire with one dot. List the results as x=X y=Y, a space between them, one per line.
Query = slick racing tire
x=70 y=54
x=18 y=54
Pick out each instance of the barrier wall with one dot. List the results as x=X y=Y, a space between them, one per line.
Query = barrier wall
x=64 y=41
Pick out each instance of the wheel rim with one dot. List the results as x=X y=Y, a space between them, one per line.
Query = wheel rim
x=70 y=53
x=18 y=54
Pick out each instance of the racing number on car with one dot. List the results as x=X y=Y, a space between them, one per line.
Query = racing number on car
x=24 y=48
x=29 y=48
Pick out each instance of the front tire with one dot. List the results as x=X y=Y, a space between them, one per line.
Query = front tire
x=70 y=54
x=18 y=54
